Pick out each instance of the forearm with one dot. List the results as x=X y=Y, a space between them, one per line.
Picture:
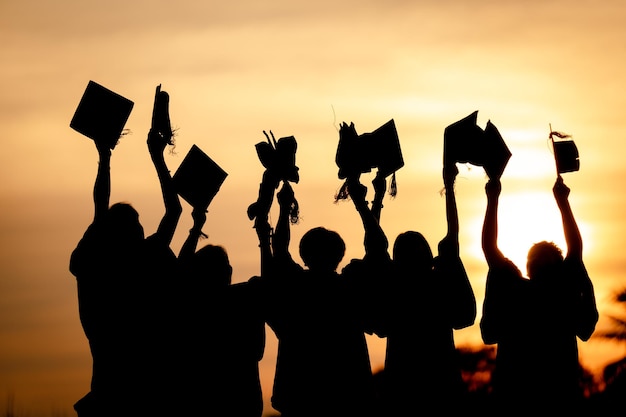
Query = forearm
x=171 y=201
x=265 y=248
x=452 y=216
x=377 y=206
x=449 y=245
x=375 y=241
x=189 y=246
x=102 y=186
x=571 y=231
x=490 y=230
x=282 y=236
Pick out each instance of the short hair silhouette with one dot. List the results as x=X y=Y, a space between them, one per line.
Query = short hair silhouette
x=123 y=223
x=322 y=249
x=217 y=257
x=543 y=258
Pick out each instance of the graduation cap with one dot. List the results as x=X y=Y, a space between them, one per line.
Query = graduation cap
x=349 y=157
x=495 y=154
x=466 y=142
x=279 y=156
x=565 y=152
x=462 y=141
x=161 y=115
x=382 y=149
x=101 y=114
x=198 y=178
x=360 y=153
x=357 y=154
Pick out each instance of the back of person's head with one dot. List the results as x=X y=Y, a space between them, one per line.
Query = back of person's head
x=123 y=226
x=544 y=259
x=211 y=263
x=411 y=252
x=322 y=249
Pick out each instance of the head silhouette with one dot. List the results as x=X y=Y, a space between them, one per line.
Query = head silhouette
x=322 y=249
x=213 y=260
x=411 y=252
x=123 y=226
x=544 y=259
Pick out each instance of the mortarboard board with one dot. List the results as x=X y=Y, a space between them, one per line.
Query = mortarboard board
x=198 y=178
x=161 y=115
x=101 y=114
x=280 y=156
x=286 y=158
x=495 y=152
x=566 y=156
x=347 y=156
x=377 y=149
x=382 y=149
x=462 y=141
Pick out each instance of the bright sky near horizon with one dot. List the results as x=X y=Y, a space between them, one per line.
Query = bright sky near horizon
x=235 y=69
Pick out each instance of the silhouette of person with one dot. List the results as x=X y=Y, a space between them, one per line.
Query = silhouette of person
x=425 y=299
x=371 y=271
x=121 y=279
x=322 y=365
x=222 y=333
x=535 y=321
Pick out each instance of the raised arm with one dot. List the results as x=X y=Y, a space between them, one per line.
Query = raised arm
x=282 y=236
x=375 y=240
x=173 y=208
x=490 y=225
x=380 y=186
x=191 y=243
x=261 y=209
x=462 y=302
x=587 y=308
x=573 y=239
x=450 y=243
x=492 y=322
x=102 y=185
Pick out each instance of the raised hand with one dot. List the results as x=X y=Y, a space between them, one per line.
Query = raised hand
x=285 y=196
x=450 y=172
x=493 y=188
x=156 y=142
x=560 y=190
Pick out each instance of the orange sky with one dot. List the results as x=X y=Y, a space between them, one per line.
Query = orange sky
x=296 y=68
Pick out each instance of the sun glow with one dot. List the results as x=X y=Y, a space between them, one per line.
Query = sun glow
x=524 y=218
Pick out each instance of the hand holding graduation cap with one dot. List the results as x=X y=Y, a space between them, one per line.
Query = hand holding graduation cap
x=380 y=185
x=285 y=196
x=449 y=174
x=560 y=190
x=104 y=148
x=356 y=190
x=493 y=187
x=101 y=114
x=466 y=142
x=156 y=144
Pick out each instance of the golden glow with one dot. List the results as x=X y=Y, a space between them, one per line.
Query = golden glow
x=234 y=69
x=524 y=219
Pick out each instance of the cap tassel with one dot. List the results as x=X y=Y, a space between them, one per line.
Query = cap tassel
x=294 y=212
x=342 y=194
x=393 y=187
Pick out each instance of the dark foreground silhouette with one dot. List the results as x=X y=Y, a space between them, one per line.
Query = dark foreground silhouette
x=122 y=282
x=536 y=321
x=173 y=336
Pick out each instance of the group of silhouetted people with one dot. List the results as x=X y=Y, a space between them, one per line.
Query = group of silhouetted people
x=171 y=335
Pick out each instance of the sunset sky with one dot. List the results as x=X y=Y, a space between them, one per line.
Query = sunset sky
x=234 y=69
